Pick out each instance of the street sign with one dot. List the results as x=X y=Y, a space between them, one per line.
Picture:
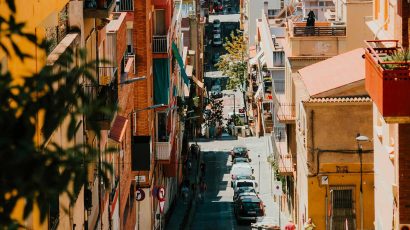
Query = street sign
x=141 y=179
x=161 y=206
x=325 y=180
x=161 y=193
x=139 y=194
x=277 y=188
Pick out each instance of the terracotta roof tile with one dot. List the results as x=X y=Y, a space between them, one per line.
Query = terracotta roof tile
x=334 y=72
x=337 y=99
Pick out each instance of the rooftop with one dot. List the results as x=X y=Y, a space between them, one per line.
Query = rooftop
x=334 y=72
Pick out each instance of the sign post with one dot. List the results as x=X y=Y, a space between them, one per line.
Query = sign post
x=277 y=191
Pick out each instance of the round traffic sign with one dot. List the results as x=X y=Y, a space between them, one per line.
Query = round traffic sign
x=161 y=193
x=139 y=194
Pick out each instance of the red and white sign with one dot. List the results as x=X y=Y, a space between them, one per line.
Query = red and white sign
x=161 y=206
x=161 y=193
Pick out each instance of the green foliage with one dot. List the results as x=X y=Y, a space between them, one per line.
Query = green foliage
x=232 y=64
x=37 y=171
x=400 y=56
x=214 y=114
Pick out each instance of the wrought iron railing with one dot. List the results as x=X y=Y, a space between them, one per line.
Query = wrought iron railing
x=97 y=4
x=125 y=5
x=160 y=44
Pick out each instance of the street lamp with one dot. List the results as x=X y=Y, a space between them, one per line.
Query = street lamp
x=259 y=179
x=359 y=139
x=132 y=80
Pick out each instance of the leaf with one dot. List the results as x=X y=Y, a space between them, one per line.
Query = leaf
x=11 y=5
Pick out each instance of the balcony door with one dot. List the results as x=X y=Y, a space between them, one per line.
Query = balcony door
x=159 y=25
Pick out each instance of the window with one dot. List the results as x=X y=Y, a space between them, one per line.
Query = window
x=130 y=48
x=162 y=132
x=342 y=208
x=159 y=22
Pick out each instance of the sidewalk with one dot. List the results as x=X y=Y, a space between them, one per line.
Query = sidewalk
x=180 y=213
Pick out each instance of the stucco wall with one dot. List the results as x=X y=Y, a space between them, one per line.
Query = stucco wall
x=384 y=172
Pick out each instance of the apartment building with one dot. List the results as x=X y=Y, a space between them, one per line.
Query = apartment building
x=334 y=177
x=387 y=87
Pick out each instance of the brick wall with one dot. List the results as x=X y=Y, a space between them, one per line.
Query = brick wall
x=404 y=173
x=142 y=43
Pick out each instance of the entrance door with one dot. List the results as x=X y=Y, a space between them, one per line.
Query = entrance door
x=343 y=214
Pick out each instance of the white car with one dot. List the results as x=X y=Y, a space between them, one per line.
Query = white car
x=238 y=184
x=217 y=40
x=240 y=169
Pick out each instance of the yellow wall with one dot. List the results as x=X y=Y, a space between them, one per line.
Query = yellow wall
x=317 y=202
x=36 y=14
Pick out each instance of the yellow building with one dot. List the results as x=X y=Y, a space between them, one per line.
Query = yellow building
x=61 y=23
x=334 y=181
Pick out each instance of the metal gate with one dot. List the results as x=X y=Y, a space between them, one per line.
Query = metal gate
x=343 y=212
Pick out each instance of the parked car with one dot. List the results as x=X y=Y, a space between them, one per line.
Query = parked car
x=244 y=192
x=238 y=184
x=239 y=151
x=248 y=208
x=217 y=40
x=216 y=91
x=241 y=160
x=240 y=169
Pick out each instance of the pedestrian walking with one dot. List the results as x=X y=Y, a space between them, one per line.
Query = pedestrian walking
x=290 y=225
x=309 y=225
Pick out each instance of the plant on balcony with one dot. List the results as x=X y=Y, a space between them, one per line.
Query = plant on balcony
x=401 y=59
x=33 y=167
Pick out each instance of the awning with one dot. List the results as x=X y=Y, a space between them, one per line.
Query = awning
x=254 y=60
x=180 y=63
x=118 y=128
x=161 y=80
x=198 y=82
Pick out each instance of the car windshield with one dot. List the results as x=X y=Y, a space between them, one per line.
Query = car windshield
x=239 y=149
x=244 y=184
x=240 y=160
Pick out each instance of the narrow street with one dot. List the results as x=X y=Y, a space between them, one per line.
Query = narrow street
x=216 y=212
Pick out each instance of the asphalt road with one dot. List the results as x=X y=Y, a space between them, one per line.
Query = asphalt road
x=216 y=212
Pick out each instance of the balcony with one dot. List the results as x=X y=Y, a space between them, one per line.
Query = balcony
x=284 y=160
x=98 y=8
x=387 y=79
x=163 y=151
x=324 y=39
x=108 y=93
x=160 y=44
x=301 y=30
x=126 y=5
x=107 y=75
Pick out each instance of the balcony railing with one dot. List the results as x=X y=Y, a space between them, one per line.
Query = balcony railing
x=98 y=8
x=126 y=5
x=108 y=93
x=283 y=159
x=163 y=151
x=387 y=79
x=160 y=44
x=319 y=31
x=107 y=74
x=286 y=112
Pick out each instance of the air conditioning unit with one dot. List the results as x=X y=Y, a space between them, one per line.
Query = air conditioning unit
x=404 y=227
